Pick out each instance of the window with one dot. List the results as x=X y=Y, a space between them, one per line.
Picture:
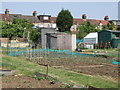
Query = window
x=45 y=18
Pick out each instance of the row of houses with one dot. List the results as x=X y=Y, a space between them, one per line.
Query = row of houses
x=46 y=21
x=50 y=38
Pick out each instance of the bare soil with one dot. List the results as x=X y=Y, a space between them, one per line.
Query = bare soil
x=27 y=82
x=90 y=67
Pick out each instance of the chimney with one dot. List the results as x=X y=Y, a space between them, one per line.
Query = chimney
x=6 y=11
x=84 y=16
x=35 y=13
x=106 y=18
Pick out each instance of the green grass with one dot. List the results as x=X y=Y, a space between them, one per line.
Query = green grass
x=28 y=68
x=109 y=52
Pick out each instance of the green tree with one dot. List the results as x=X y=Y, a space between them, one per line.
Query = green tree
x=64 y=20
x=109 y=26
x=4 y=29
x=35 y=35
x=81 y=31
x=17 y=29
x=84 y=29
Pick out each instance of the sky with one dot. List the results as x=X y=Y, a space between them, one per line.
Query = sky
x=93 y=10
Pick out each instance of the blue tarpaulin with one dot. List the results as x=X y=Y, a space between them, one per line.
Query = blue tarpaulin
x=115 y=62
x=78 y=40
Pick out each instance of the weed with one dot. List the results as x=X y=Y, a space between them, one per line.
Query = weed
x=69 y=86
x=52 y=82
x=39 y=78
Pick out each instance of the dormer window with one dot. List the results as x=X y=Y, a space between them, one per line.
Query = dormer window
x=45 y=18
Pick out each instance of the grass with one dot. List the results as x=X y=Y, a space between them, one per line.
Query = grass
x=109 y=52
x=28 y=68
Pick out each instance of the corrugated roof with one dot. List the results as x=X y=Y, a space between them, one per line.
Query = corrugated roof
x=113 y=31
x=92 y=35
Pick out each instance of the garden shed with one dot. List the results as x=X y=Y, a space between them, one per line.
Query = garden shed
x=90 y=40
x=52 y=39
x=110 y=37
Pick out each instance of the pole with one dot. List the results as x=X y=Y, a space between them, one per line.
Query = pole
x=8 y=19
x=47 y=70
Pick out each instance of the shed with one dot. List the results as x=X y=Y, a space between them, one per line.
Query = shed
x=57 y=40
x=109 y=36
x=90 y=40
x=44 y=37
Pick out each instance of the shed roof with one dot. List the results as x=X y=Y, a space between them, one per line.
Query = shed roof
x=92 y=35
x=112 y=31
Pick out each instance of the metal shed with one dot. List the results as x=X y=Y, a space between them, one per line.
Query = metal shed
x=109 y=37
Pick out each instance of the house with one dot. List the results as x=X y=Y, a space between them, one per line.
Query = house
x=83 y=20
x=9 y=17
x=108 y=38
x=90 y=40
x=46 y=21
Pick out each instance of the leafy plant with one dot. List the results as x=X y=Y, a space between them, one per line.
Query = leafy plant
x=84 y=29
x=69 y=86
x=39 y=78
x=20 y=28
x=52 y=82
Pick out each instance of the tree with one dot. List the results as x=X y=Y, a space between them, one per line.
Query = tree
x=109 y=26
x=17 y=29
x=64 y=20
x=35 y=35
x=84 y=29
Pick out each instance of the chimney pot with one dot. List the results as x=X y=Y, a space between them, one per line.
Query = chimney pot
x=106 y=18
x=84 y=16
x=6 y=11
x=35 y=13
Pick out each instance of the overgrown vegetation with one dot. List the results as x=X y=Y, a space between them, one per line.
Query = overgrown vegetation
x=20 y=28
x=84 y=29
x=109 y=26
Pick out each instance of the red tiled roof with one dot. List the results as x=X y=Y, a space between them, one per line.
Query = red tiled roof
x=31 y=18
x=75 y=21
x=78 y=21
x=53 y=19
x=82 y=21
x=10 y=17
x=5 y=17
x=104 y=22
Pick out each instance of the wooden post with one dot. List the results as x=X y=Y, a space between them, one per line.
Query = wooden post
x=8 y=34
x=47 y=70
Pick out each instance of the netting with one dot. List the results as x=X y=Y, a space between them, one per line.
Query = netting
x=48 y=53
